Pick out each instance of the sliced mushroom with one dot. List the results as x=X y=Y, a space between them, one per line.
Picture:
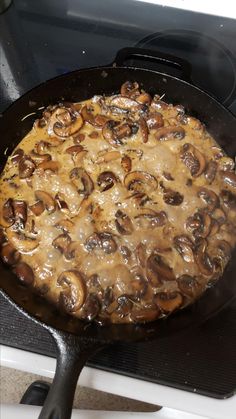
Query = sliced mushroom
x=210 y=171
x=124 y=305
x=125 y=104
x=171 y=197
x=158 y=271
x=221 y=254
x=126 y=163
x=170 y=133
x=73 y=292
x=104 y=241
x=140 y=181
x=17 y=155
x=24 y=272
x=199 y=224
x=168 y=176
x=62 y=242
x=22 y=242
x=126 y=252
x=143 y=129
x=130 y=89
x=168 y=301
x=26 y=167
x=46 y=199
x=20 y=212
x=51 y=165
x=91 y=307
x=106 y=180
x=9 y=254
x=184 y=246
x=74 y=149
x=141 y=254
x=203 y=259
x=139 y=286
x=229 y=199
x=108 y=156
x=8 y=212
x=155 y=120
x=145 y=314
x=2 y=237
x=37 y=208
x=77 y=139
x=144 y=98
x=95 y=120
x=67 y=124
x=189 y=285
x=65 y=225
x=193 y=159
x=210 y=198
x=123 y=223
x=228 y=177
x=80 y=176
x=40 y=158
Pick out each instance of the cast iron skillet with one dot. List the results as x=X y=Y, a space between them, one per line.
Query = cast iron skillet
x=77 y=340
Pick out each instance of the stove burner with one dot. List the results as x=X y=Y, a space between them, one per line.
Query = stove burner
x=213 y=66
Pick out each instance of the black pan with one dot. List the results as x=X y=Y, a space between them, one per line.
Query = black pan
x=76 y=340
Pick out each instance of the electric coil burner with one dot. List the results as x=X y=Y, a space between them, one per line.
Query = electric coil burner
x=41 y=40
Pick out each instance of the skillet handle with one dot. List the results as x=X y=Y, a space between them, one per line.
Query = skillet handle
x=73 y=352
x=155 y=56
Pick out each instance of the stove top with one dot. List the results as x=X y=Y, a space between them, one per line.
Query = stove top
x=40 y=40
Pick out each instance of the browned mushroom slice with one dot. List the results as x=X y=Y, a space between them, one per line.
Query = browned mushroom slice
x=108 y=133
x=40 y=158
x=2 y=237
x=158 y=271
x=37 y=208
x=108 y=156
x=139 y=285
x=125 y=104
x=124 y=305
x=22 y=242
x=199 y=224
x=210 y=171
x=189 y=285
x=168 y=176
x=9 y=254
x=130 y=89
x=210 y=198
x=8 y=212
x=80 y=178
x=228 y=177
x=24 y=273
x=105 y=241
x=203 y=259
x=170 y=133
x=144 y=98
x=106 y=180
x=51 y=165
x=150 y=219
x=123 y=223
x=141 y=254
x=168 y=301
x=221 y=254
x=73 y=292
x=26 y=167
x=143 y=129
x=17 y=155
x=62 y=242
x=155 y=120
x=123 y=130
x=184 y=246
x=67 y=124
x=145 y=314
x=46 y=199
x=91 y=307
x=171 y=197
x=126 y=163
x=229 y=199
x=193 y=159
x=74 y=149
x=140 y=181
x=78 y=138
x=125 y=252
x=65 y=225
